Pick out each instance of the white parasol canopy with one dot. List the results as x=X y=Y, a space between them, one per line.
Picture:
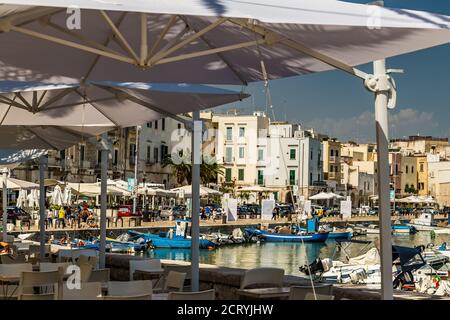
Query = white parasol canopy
x=255 y=189
x=56 y=116
x=326 y=196
x=22 y=199
x=198 y=41
x=33 y=198
x=57 y=196
x=186 y=191
x=17 y=184
x=158 y=192
x=417 y=199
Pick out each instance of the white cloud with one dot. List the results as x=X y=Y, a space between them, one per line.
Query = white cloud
x=361 y=128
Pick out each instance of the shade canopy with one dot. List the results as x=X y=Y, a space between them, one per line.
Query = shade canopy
x=186 y=191
x=197 y=41
x=55 y=116
x=16 y=184
x=417 y=199
x=158 y=192
x=255 y=189
x=325 y=196
x=92 y=189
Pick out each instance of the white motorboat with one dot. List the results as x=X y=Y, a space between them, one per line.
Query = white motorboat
x=426 y=222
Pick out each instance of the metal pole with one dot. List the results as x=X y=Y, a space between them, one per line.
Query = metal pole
x=42 y=209
x=381 y=121
x=136 y=159
x=196 y=159
x=103 y=193
x=5 y=202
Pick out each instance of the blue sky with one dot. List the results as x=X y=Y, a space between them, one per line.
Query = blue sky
x=423 y=105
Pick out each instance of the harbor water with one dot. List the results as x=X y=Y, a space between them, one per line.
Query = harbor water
x=288 y=256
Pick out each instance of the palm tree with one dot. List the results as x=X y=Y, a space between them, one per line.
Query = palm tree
x=209 y=172
x=181 y=167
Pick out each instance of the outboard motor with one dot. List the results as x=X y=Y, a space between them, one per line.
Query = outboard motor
x=315 y=267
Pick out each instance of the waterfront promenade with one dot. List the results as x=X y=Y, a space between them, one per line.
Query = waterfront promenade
x=128 y=223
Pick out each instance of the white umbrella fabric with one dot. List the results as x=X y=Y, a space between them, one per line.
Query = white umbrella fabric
x=219 y=42
x=67 y=196
x=57 y=196
x=22 y=199
x=17 y=184
x=204 y=191
x=33 y=198
x=225 y=42
x=321 y=196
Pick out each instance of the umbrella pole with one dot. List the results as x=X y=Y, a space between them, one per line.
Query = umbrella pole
x=103 y=193
x=5 y=202
x=195 y=233
x=42 y=211
x=381 y=121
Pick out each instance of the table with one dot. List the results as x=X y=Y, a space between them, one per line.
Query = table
x=265 y=293
x=157 y=274
x=6 y=281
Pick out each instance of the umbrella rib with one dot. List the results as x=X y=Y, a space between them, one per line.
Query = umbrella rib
x=162 y=54
x=120 y=36
x=25 y=102
x=39 y=137
x=232 y=68
x=12 y=102
x=169 y=25
x=78 y=103
x=71 y=44
x=57 y=97
x=302 y=48
x=7 y=111
x=141 y=102
x=98 y=109
x=106 y=42
x=42 y=97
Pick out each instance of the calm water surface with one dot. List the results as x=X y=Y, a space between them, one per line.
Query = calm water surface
x=288 y=256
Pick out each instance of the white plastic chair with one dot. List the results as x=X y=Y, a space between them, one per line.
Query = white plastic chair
x=87 y=291
x=310 y=296
x=130 y=288
x=145 y=265
x=263 y=277
x=48 y=266
x=201 y=295
x=46 y=281
x=300 y=292
x=137 y=297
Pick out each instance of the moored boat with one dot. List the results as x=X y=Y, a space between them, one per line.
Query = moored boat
x=274 y=236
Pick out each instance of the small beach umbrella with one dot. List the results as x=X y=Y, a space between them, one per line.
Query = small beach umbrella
x=22 y=199
x=57 y=196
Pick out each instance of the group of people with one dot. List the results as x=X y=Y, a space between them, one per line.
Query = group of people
x=67 y=215
x=209 y=213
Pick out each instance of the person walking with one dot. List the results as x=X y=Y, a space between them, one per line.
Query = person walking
x=62 y=217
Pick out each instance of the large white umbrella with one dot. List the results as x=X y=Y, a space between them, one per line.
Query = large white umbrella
x=223 y=42
x=33 y=198
x=199 y=41
x=17 y=184
x=321 y=196
x=186 y=191
x=255 y=189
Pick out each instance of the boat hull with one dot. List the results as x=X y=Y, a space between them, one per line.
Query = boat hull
x=340 y=235
x=315 y=237
x=174 y=243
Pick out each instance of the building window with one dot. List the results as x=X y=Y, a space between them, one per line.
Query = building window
x=292 y=154
x=407 y=169
x=99 y=156
x=163 y=124
x=82 y=153
x=331 y=168
x=229 y=154
x=421 y=167
x=156 y=124
x=62 y=155
x=336 y=153
x=149 y=153
x=335 y=168
x=260 y=154
x=179 y=129
x=291 y=177
x=260 y=177
x=229 y=133
x=318 y=177
x=412 y=169
x=241 y=132
x=115 y=157
x=164 y=152
x=228 y=174
x=241 y=174
x=310 y=178
x=155 y=155
x=149 y=124
x=311 y=155
x=241 y=152
x=332 y=152
x=132 y=153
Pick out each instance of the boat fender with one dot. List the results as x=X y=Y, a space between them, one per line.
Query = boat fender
x=327 y=264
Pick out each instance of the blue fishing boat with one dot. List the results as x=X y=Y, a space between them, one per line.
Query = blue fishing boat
x=175 y=238
x=281 y=237
x=340 y=235
x=403 y=228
